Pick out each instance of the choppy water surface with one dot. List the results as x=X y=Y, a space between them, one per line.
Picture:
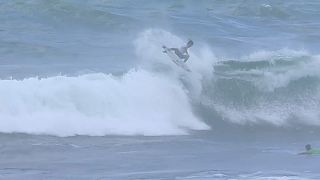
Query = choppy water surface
x=86 y=92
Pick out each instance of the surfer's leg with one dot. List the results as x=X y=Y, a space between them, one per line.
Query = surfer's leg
x=186 y=57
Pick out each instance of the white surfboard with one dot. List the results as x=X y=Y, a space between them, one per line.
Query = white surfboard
x=174 y=58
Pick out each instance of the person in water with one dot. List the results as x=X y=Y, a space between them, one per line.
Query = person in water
x=310 y=151
x=182 y=53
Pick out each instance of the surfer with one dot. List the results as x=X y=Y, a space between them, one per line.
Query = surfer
x=182 y=53
x=310 y=151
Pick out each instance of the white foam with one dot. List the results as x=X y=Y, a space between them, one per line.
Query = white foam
x=139 y=102
x=272 y=55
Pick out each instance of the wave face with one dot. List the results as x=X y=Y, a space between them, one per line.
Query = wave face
x=96 y=67
x=280 y=88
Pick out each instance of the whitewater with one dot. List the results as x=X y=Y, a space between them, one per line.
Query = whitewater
x=87 y=93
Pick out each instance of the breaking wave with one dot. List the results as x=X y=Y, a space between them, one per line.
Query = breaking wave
x=279 y=88
x=137 y=103
x=158 y=98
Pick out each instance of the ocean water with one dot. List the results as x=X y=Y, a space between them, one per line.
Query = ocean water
x=86 y=92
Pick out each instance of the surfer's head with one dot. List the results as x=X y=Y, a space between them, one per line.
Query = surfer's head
x=189 y=43
x=308 y=147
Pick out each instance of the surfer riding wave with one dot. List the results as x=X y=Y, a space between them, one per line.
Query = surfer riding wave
x=182 y=53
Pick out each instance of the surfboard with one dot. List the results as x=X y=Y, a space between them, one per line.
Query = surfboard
x=312 y=152
x=174 y=58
